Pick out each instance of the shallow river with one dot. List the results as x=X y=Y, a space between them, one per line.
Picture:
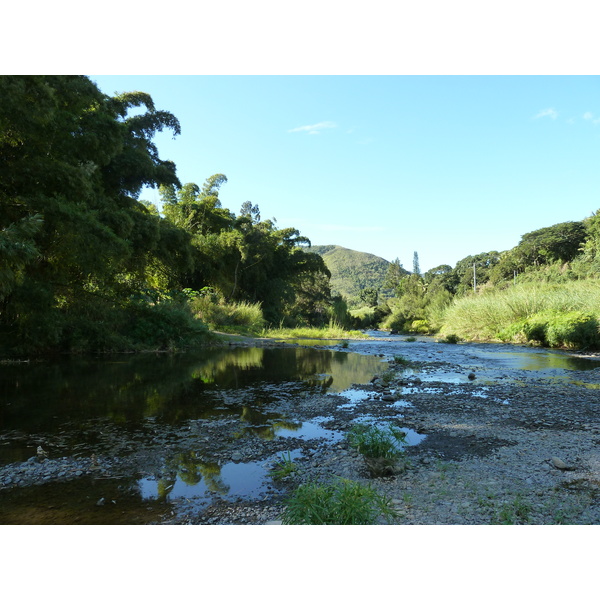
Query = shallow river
x=113 y=406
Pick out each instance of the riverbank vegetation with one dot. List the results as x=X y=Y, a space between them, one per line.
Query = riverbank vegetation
x=328 y=332
x=544 y=291
x=86 y=266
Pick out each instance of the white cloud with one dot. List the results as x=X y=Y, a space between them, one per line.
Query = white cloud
x=314 y=129
x=547 y=112
x=353 y=228
x=588 y=116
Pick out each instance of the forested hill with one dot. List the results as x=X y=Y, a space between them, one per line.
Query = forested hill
x=352 y=271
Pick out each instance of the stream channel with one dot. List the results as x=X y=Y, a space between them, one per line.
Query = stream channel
x=120 y=439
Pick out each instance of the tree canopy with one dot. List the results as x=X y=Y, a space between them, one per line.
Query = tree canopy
x=77 y=246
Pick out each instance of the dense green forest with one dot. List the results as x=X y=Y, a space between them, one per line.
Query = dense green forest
x=86 y=266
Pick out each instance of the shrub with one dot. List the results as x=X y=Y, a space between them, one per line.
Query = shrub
x=388 y=377
x=394 y=322
x=451 y=338
x=368 y=317
x=382 y=448
x=343 y=502
x=233 y=317
x=375 y=442
x=401 y=360
x=419 y=326
x=164 y=325
x=575 y=329
x=546 y=313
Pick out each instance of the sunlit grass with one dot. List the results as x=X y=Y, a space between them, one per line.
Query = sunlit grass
x=490 y=316
x=329 y=332
x=245 y=318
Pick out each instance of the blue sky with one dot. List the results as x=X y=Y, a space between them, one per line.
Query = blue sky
x=446 y=166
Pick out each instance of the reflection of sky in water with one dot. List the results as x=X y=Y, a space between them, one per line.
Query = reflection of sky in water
x=412 y=437
x=401 y=404
x=309 y=431
x=446 y=377
x=355 y=397
x=235 y=479
x=421 y=390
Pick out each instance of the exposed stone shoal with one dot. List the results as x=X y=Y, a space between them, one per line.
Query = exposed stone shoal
x=496 y=444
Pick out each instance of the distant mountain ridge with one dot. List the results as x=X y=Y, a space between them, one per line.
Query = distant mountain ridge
x=352 y=271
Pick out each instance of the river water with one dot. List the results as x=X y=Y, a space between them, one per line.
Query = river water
x=113 y=406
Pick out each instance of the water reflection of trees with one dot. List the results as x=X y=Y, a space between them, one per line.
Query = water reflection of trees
x=264 y=425
x=170 y=388
x=191 y=470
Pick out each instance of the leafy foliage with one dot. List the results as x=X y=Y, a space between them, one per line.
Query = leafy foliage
x=79 y=251
x=284 y=467
x=343 y=502
x=551 y=315
x=246 y=259
x=377 y=442
x=73 y=163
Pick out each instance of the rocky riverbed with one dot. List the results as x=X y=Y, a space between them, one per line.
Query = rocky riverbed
x=490 y=442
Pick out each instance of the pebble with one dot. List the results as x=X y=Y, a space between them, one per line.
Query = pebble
x=560 y=464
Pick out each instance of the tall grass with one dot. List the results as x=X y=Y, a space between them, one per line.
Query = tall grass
x=234 y=317
x=342 y=502
x=529 y=312
x=328 y=332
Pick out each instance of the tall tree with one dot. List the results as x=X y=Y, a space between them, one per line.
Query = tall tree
x=394 y=275
x=416 y=267
x=246 y=258
x=72 y=166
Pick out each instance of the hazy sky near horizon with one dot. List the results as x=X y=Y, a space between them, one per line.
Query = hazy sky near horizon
x=446 y=166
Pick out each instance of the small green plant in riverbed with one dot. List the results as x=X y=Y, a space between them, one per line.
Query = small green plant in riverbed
x=382 y=448
x=513 y=513
x=410 y=339
x=343 y=502
x=388 y=377
x=401 y=360
x=284 y=468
